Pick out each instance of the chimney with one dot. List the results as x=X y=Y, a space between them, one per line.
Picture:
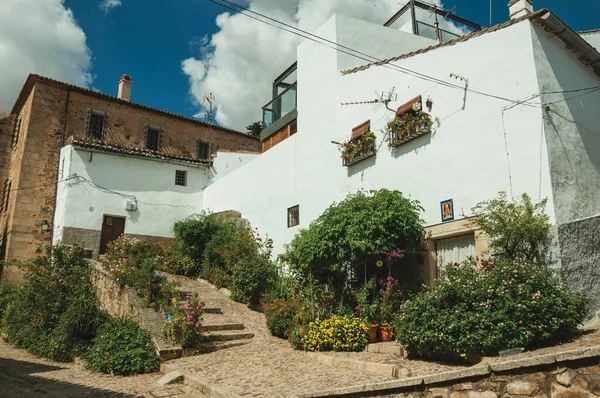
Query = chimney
x=125 y=88
x=519 y=8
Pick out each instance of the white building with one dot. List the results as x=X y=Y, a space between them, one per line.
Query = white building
x=518 y=109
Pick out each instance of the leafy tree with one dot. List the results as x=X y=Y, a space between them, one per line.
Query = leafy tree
x=516 y=229
x=255 y=129
x=361 y=226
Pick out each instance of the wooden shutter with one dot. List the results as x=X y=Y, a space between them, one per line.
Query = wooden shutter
x=359 y=130
x=408 y=106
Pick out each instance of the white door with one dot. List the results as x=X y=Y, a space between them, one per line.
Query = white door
x=455 y=249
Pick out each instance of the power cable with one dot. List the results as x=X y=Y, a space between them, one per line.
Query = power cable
x=310 y=36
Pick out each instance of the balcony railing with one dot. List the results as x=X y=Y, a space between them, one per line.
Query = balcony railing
x=280 y=106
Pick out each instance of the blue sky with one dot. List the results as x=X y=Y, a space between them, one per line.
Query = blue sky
x=148 y=39
x=160 y=44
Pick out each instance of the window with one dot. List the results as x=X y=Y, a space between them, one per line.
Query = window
x=181 y=177
x=96 y=124
x=6 y=195
x=16 y=131
x=203 y=150
x=293 y=216
x=152 y=139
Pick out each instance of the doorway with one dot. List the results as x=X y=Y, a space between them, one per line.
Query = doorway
x=455 y=250
x=112 y=228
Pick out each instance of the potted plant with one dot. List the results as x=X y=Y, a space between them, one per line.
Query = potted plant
x=357 y=149
x=367 y=307
x=391 y=299
x=408 y=124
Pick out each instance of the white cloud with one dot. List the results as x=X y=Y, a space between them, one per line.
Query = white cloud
x=40 y=37
x=240 y=61
x=108 y=5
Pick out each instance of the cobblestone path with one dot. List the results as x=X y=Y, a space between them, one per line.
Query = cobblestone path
x=23 y=375
x=265 y=366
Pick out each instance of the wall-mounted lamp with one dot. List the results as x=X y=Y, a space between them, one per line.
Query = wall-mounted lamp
x=45 y=226
x=429 y=104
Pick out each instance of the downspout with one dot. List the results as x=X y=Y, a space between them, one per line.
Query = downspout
x=62 y=143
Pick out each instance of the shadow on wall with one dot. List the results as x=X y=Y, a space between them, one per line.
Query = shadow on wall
x=17 y=380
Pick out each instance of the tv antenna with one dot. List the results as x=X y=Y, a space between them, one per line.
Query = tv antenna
x=210 y=99
x=386 y=97
x=434 y=11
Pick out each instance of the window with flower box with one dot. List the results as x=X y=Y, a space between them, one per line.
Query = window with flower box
x=410 y=123
x=360 y=146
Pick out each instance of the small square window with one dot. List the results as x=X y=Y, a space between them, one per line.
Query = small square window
x=152 y=139
x=293 y=216
x=96 y=125
x=203 y=150
x=181 y=177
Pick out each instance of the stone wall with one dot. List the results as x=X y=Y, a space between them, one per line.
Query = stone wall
x=573 y=380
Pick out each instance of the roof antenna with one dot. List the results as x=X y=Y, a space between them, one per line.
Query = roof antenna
x=490 y=13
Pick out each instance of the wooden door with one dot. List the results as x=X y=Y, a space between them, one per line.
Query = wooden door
x=112 y=228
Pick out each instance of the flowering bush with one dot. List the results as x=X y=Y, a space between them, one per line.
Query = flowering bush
x=134 y=263
x=176 y=263
x=280 y=315
x=476 y=311
x=338 y=333
x=184 y=327
x=122 y=348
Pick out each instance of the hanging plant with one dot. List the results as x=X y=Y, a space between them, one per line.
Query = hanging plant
x=360 y=148
x=409 y=124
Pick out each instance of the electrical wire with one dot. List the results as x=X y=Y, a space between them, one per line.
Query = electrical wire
x=43 y=185
x=371 y=59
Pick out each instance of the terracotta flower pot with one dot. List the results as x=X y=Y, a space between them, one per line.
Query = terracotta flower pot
x=386 y=333
x=373 y=333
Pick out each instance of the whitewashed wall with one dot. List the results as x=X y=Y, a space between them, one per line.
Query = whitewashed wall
x=464 y=159
x=82 y=204
x=593 y=38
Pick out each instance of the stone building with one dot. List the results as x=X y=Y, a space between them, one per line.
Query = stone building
x=50 y=115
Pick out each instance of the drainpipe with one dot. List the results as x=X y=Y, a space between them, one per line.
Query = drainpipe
x=62 y=143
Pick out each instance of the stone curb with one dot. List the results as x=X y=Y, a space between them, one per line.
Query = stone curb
x=200 y=384
x=475 y=371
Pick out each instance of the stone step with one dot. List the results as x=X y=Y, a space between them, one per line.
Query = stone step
x=216 y=327
x=219 y=345
x=212 y=336
x=212 y=310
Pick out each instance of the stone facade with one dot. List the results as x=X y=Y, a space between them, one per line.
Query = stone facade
x=50 y=113
x=578 y=379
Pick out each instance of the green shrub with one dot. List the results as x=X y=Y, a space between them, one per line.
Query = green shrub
x=184 y=327
x=367 y=302
x=516 y=229
x=121 y=347
x=480 y=311
x=280 y=315
x=55 y=313
x=135 y=263
x=252 y=277
x=176 y=263
x=7 y=296
x=192 y=234
x=338 y=333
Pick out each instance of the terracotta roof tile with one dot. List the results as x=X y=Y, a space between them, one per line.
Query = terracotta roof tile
x=102 y=146
x=448 y=43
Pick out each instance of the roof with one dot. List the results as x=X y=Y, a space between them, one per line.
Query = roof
x=589 y=32
x=102 y=146
x=469 y=36
x=33 y=78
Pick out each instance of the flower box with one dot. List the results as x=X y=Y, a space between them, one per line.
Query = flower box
x=358 y=149
x=407 y=127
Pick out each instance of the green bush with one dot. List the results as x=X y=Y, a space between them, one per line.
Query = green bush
x=55 y=312
x=252 y=278
x=135 y=263
x=176 y=263
x=192 y=234
x=338 y=333
x=280 y=314
x=122 y=348
x=472 y=311
x=7 y=296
